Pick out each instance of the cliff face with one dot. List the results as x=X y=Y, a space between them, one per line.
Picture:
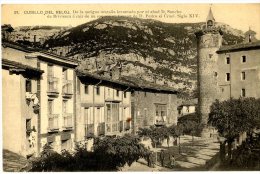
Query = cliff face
x=155 y=51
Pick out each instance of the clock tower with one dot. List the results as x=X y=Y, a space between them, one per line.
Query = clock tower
x=209 y=40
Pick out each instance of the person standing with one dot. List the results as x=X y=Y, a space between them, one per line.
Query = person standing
x=162 y=156
x=172 y=160
x=153 y=159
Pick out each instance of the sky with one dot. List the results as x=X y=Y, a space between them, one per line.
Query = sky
x=239 y=16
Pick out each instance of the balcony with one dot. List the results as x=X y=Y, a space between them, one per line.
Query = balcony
x=89 y=131
x=67 y=89
x=101 y=129
x=53 y=122
x=53 y=83
x=67 y=121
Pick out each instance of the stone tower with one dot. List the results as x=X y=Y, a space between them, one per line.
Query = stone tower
x=209 y=40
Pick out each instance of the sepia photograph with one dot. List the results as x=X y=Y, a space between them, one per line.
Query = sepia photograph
x=130 y=87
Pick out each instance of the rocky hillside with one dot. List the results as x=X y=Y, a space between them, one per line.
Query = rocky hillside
x=159 y=52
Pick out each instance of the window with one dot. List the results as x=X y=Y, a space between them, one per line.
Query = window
x=243 y=75
x=64 y=106
x=97 y=90
x=65 y=73
x=124 y=94
x=86 y=89
x=228 y=60
x=243 y=92
x=243 y=59
x=28 y=124
x=117 y=93
x=50 y=106
x=210 y=23
x=65 y=144
x=88 y=116
x=145 y=94
x=188 y=109
x=28 y=85
x=160 y=112
x=112 y=117
x=215 y=74
x=98 y=115
x=227 y=76
x=108 y=91
x=210 y=55
x=50 y=70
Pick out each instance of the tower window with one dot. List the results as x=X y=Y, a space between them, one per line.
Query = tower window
x=228 y=60
x=243 y=75
x=124 y=94
x=243 y=59
x=227 y=76
x=210 y=23
x=243 y=92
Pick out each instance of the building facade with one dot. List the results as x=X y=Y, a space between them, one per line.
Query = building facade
x=48 y=112
x=225 y=72
x=188 y=107
x=56 y=106
x=152 y=107
x=20 y=100
x=239 y=70
x=103 y=107
x=57 y=97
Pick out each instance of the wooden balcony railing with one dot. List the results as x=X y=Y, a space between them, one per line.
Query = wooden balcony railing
x=53 y=83
x=89 y=130
x=101 y=128
x=53 y=122
x=67 y=88
x=67 y=120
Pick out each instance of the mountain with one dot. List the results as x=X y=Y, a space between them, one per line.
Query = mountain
x=159 y=52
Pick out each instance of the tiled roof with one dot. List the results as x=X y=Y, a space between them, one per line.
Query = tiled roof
x=13 y=64
x=143 y=84
x=29 y=49
x=241 y=46
x=190 y=102
x=132 y=82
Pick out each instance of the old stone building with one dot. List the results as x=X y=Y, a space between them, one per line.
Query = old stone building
x=225 y=72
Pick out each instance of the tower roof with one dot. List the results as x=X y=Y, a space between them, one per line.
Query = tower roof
x=210 y=15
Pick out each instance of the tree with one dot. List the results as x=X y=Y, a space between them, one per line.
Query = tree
x=233 y=117
x=121 y=150
x=176 y=131
x=156 y=134
x=109 y=155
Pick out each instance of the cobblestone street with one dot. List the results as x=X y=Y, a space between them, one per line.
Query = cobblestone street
x=194 y=156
